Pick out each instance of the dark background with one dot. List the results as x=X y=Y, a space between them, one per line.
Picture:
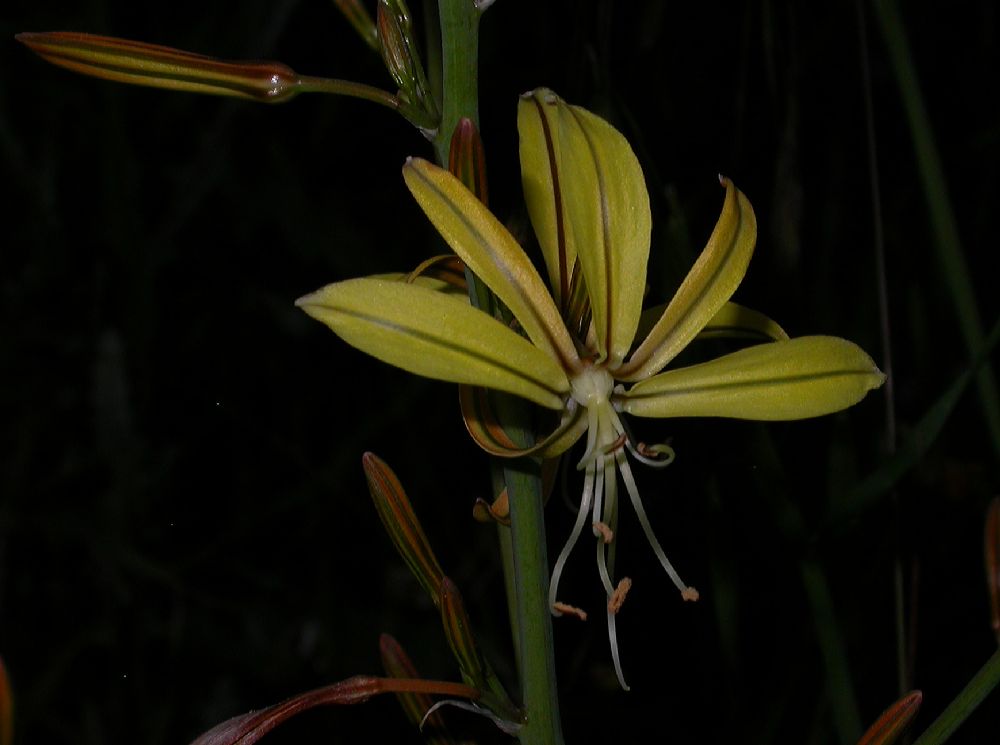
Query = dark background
x=185 y=533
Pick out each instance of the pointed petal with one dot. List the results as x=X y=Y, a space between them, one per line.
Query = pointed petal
x=710 y=283
x=605 y=199
x=542 y=182
x=433 y=334
x=805 y=377
x=492 y=254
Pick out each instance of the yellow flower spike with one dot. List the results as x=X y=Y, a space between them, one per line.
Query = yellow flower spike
x=805 y=377
x=588 y=204
x=438 y=336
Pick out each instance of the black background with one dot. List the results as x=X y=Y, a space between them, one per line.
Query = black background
x=185 y=533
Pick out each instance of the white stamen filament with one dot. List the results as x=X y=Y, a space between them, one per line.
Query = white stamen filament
x=581 y=518
x=607 y=441
x=633 y=493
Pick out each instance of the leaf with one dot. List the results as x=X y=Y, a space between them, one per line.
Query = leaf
x=157 y=66
x=920 y=439
x=438 y=336
x=982 y=684
x=492 y=254
x=710 y=283
x=796 y=379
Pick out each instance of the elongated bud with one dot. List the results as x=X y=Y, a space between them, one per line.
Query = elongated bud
x=157 y=66
x=6 y=708
x=359 y=18
x=890 y=726
x=399 y=51
x=401 y=523
x=467 y=158
x=397 y=664
x=459 y=633
x=991 y=552
x=248 y=729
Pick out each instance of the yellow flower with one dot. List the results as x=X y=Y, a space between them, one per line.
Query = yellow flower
x=577 y=350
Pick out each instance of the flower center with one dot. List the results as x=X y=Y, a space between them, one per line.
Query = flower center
x=592 y=386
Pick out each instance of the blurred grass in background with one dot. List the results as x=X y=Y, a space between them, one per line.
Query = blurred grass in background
x=185 y=532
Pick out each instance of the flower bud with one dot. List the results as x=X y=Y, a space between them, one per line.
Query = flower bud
x=157 y=66
x=399 y=51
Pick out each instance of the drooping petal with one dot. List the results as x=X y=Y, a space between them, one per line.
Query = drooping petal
x=433 y=334
x=606 y=203
x=795 y=379
x=710 y=283
x=491 y=252
x=489 y=434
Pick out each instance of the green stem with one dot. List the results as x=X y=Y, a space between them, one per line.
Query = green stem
x=459 y=69
x=531 y=582
x=964 y=703
x=525 y=556
x=414 y=114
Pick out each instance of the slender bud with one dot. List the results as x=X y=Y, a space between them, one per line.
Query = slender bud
x=401 y=523
x=467 y=158
x=459 y=633
x=397 y=664
x=893 y=721
x=399 y=51
x=157 y=66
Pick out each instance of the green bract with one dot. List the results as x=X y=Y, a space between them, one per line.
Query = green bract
x=587 y=200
